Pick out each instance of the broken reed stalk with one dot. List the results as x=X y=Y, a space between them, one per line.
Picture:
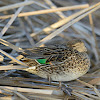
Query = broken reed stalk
x=52 y=5
x=27 y=33
x=91 y=86
x=95 y=81
x=96 y=52
x=23 y=83
x=7 y=73
x=9 y=67
x=14 y=91
x=32 y=80
x=6 y=93
x=87 y=94
x=81 y=96
x=10 y=21
x=58 y=31
x=64 y=21
x=20 y=95
x=40 y=91
x=17 y=48
x=10 y=45
x=12 y=6
x=56 y=24
x=46 y=11
x=6 y=98
x=14 y=59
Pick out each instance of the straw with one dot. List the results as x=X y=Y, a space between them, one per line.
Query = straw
x=47 y=11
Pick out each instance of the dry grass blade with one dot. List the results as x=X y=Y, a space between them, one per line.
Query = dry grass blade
x=1 y=58
x=47 y=11
x=81 y=96
x=10 y=22
x=9 y=7
x=91 y=96
x=6 y=98
x=17 y=93
x=51 y=4
x=22 y=83
x=32 y=80
x=7 y=73
x=9 y=67
x=10 y=45
x=39 y=91
x=27 y=33
x=64 y=21
x=96 y=52
x=95 y=81
x=91 y=86
x=49 y=37
x=5 y=92
x=14 y=59
x=20 y=95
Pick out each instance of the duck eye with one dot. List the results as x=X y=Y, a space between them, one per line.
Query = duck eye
x=74 y=46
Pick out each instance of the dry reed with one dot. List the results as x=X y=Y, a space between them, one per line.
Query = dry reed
x=43 y=23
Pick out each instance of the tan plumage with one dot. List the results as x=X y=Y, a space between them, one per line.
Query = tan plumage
x=67 y=62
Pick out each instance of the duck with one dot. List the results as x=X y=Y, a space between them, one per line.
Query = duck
x=58 y=62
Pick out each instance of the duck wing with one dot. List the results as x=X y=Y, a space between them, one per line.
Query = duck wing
x=53 y=53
